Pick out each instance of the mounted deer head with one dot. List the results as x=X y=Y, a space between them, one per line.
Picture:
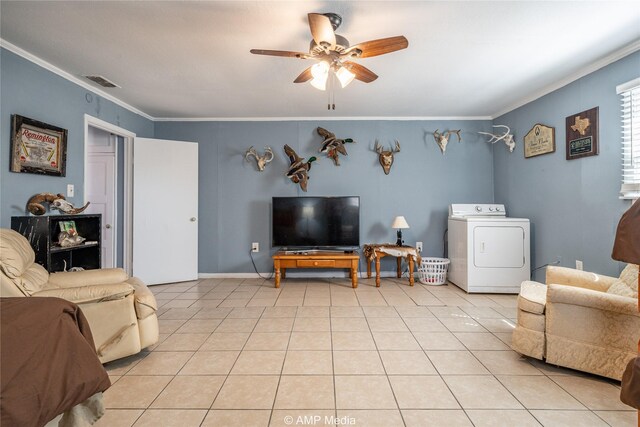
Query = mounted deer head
x=442 y=139
x=260 y=160
x=507 y=137
x=386 y=157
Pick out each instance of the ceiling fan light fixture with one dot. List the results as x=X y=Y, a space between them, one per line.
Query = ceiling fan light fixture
x=345 y=76
x=320 y=73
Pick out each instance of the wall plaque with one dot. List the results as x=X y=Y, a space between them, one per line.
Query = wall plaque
x=582 y=134
x=539 y=140
x=37 y=147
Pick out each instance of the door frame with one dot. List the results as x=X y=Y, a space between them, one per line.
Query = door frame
x=127 y=221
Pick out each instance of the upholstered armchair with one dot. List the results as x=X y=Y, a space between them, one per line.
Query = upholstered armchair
x=580 y=320
x=120 y=309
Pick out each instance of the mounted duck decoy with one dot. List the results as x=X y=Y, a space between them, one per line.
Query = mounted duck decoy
x=298 y=171
x=332 y=145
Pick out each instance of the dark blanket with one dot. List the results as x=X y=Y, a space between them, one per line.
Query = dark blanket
x=48 y=361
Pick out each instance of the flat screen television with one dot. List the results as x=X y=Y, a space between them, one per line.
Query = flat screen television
x=316 y=222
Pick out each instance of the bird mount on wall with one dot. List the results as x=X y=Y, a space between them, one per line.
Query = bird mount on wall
x=386 y=157
x=298 y=172
x=261 y=161
x=35 y=205
x=506 y=137
x=442 y=139
x=332 y=145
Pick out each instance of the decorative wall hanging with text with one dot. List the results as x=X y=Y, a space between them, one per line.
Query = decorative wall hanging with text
x=539 y=140
x=37 y=147
x=582 y=134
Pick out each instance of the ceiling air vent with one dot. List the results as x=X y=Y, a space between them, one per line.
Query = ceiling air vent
x=101 y=81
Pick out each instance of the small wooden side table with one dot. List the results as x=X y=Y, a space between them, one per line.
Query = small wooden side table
x=377 y=252
x=283 y=260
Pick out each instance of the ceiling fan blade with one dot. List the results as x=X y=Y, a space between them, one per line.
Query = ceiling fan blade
x=321 y=29
x=362 y=73
x=380 y=46
x=304 y=76
x=280 y=53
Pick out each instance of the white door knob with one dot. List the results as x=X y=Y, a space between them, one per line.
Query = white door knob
x=193 y=219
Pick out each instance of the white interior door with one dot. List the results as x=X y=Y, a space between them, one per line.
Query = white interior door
x=165 y=210
x=100 y=191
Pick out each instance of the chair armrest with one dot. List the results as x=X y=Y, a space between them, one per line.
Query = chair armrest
x=86 y=294
x=592 y=299
x=102 y=276
x=577 y=278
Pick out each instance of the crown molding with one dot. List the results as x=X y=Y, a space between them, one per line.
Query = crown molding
x=315 y=119
x=73 y=79
x=594 y=66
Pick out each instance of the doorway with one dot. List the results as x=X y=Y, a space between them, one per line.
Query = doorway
x=107 y=185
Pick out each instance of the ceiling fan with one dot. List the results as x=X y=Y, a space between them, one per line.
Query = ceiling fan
x=333 y=53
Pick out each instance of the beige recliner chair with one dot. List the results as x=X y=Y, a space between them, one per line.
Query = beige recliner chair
x=120 y=309
x=580 y=320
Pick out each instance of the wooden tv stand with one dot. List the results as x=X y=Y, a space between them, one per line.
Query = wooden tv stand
x=282 y=261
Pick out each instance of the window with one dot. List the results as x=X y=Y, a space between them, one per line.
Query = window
x=630 y=93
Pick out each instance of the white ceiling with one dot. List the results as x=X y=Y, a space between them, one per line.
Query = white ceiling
x=191 y=59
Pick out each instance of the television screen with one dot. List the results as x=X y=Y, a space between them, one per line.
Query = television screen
x=316 y=221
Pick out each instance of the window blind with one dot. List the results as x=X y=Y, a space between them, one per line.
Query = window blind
x=630 y=93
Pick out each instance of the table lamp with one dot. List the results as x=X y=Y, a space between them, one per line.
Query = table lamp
x=399 y=223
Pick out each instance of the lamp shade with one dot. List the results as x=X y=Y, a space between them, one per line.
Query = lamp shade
x=399 y=222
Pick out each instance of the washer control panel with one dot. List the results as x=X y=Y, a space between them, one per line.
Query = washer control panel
x=463 y=210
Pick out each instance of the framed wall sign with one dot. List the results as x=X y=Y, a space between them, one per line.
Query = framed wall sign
x=37 y=147
x=539 y=140
x=582 y=134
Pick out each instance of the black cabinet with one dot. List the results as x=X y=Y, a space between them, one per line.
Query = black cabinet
x=42 y=233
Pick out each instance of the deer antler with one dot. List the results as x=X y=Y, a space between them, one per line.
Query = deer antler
x=251 y=152
x=437 y=135
x=495 y=138
x=268 y=151
x=457 y=132
x=377 y=148
x=397 y=149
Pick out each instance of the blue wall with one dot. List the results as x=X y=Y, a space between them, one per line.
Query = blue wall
x=573 y=205
x=235 y=199
x=34 y=92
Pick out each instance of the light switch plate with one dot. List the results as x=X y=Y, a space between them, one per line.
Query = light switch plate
x=578 y=265
x=71 y=190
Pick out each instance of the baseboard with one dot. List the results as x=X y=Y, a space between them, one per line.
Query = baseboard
x=292 y=274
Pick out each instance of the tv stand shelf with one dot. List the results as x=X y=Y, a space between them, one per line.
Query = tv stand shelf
x=283 y=260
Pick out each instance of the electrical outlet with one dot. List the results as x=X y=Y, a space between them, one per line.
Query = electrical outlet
x=578 y=265
x=419 y=246
x=71 y=190
x=255 y=247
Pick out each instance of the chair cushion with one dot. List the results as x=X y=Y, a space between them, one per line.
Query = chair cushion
x=16 y=254
x=527 y=320
x=533 y=297
x=627 y=284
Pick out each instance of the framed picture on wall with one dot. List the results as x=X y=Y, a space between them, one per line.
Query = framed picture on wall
x=37 y=147
x=539 y=140
x=582 y=134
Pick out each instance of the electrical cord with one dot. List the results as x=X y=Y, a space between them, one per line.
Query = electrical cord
x=445 y=248
x=256 y=269
x=543 y=266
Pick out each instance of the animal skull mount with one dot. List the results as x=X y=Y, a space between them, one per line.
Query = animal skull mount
x=35 y=204
x=260 y=160
x=506 y=137
x=442 y=139
x=386 y=157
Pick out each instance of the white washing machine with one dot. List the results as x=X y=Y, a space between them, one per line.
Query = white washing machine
x=489 y=251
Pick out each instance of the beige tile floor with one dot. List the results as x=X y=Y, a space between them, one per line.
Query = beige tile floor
x=236 y=352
